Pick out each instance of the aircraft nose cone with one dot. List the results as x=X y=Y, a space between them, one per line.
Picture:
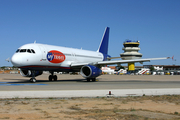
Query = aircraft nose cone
x=16 y=60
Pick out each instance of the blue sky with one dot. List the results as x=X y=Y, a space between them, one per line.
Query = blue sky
x=81 y=24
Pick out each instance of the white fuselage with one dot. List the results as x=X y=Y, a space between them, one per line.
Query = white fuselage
x=53 y=58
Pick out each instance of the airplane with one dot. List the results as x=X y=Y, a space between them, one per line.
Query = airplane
x=34 y=58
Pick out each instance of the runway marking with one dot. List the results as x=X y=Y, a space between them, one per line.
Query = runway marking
x=3 y=84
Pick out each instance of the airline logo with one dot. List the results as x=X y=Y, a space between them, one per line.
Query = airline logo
x=55 y=56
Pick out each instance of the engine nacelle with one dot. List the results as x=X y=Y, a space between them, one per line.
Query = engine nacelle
x=90 y=71
x=28 y=73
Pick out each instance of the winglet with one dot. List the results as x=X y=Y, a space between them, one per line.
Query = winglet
x=103 y=47
x=8 y=59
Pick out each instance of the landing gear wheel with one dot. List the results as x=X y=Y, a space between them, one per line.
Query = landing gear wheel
x=55 y=77
x=94 y=79
x=50 y=78
x=88 y=79
x=33 y=80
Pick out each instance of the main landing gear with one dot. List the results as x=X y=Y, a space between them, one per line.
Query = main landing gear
x=93 y=79
x=52 y=77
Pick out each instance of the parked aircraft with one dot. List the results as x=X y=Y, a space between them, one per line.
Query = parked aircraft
x=33 y=59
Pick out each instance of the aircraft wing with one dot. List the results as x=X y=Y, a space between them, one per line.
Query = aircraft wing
x=117 y=62
x=128 y=61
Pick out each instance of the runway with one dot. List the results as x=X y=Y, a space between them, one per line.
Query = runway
x=16 y=82
x=71 y=83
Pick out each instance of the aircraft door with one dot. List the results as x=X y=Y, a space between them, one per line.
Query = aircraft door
x=43 y=52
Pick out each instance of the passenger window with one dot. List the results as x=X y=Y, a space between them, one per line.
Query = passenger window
x=23 y=50
x=29 y=51
x=17 y=50
x=32 y=50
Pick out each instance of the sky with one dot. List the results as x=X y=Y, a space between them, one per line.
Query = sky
x=81 y=24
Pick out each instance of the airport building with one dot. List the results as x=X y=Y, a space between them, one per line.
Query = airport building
x=131 y=49
x=149 y=69
x=164 y=69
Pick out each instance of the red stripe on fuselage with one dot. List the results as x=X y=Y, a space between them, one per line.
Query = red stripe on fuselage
x=36 y=66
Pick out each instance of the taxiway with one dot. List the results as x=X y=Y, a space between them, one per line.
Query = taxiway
x=76 y=86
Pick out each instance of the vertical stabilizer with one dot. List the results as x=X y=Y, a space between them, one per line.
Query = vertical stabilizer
x=103 y=47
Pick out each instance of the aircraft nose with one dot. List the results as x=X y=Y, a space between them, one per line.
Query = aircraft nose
x=16 y=60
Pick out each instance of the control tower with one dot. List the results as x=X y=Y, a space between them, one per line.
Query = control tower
x=131 y=49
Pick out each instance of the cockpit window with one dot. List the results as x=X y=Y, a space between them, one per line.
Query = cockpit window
x=17 y=50
x=25 y=50
x=32 y=50
x=28 y=50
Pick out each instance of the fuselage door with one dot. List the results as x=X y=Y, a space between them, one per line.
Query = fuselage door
x=43 y=51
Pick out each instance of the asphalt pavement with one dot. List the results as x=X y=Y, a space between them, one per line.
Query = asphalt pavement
x=14 y=85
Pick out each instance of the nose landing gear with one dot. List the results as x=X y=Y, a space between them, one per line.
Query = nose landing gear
x=33 y=79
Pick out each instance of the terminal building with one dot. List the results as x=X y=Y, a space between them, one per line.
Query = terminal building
x=149 y=69
x=164 y=69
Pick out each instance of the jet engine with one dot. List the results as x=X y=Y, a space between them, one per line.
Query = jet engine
x=90 y=71
x=28 y=73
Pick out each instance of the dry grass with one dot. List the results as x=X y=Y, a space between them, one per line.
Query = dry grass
x=127 y=108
